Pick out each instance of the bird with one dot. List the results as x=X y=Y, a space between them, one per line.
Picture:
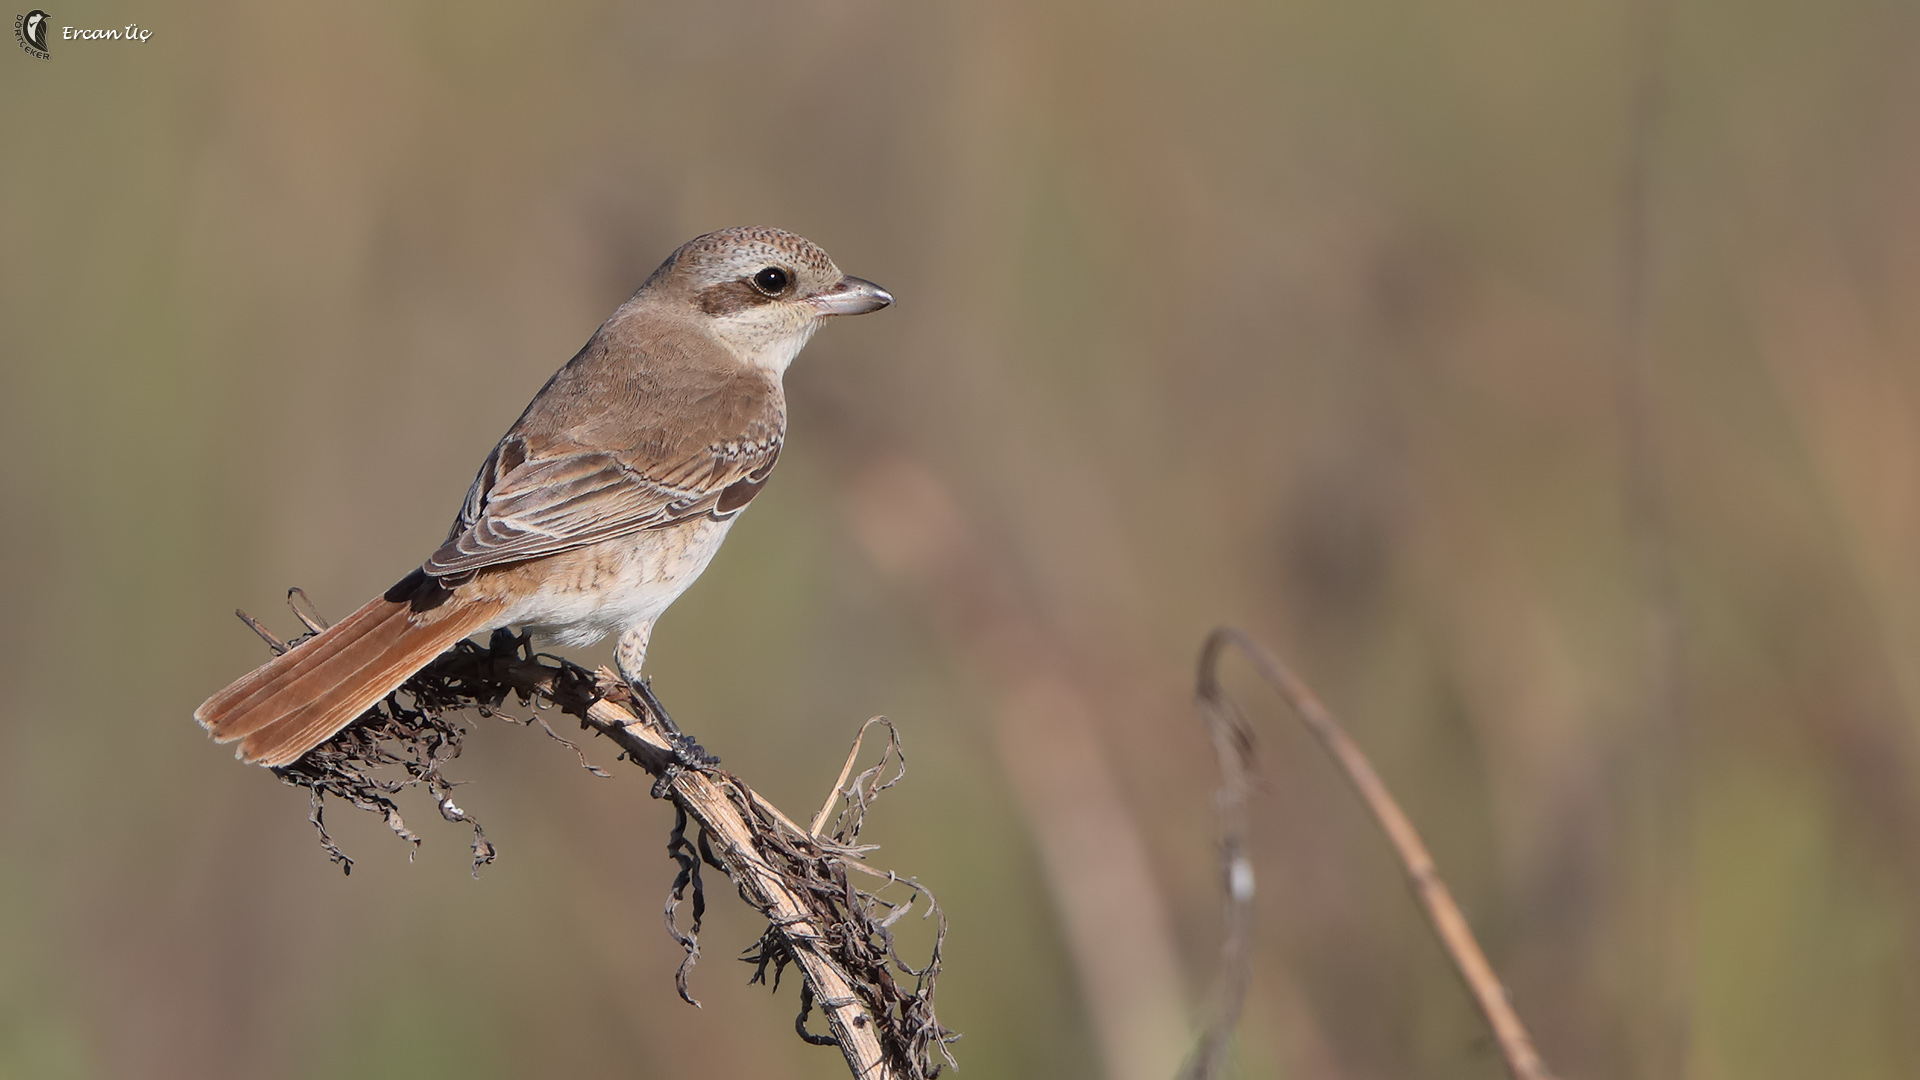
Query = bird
x=36 y=29
x=599 y=506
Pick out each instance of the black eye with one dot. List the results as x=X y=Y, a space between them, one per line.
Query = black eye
x=773 y=281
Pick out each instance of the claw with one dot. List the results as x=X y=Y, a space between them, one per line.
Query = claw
x=690 y=753
x=667 y=776
x=687 y=753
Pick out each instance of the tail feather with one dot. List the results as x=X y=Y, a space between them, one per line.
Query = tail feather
x=232 y=713
x=299 y=699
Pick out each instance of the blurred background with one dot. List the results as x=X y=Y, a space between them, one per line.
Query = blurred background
x=1539 y=380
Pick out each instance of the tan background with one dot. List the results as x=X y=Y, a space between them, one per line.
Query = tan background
x=1310 y=316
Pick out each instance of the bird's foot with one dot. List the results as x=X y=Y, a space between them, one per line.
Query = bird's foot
x=687 y=754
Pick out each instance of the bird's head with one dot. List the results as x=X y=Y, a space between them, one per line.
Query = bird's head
x=762 y=291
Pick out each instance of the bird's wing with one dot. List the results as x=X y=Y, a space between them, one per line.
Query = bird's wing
x=523 y=508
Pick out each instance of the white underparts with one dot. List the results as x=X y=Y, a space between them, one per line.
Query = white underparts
x=620 y=585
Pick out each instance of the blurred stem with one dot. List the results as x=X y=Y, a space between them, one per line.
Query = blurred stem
x=1233 y=743
x=1662 y=739
x=1045 y=725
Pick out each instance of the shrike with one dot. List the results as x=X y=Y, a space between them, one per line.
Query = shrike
x=602 y=503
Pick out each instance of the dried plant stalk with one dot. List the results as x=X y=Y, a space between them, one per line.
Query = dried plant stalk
x=879 y=1009
x=1233 y=742
x=757 y=845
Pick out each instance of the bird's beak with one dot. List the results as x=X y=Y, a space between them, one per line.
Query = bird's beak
x=852 y=296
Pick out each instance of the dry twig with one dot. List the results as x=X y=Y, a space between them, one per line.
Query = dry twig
x=879 y=1009
x=1233 y=743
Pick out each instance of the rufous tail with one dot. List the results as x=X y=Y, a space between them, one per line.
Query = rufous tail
x=299 y=699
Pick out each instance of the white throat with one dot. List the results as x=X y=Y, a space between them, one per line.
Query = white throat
x=767 y=344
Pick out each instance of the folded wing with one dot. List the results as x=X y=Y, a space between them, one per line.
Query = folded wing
x=542 y=506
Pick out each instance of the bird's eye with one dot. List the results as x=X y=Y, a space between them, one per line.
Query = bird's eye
x=773 y=281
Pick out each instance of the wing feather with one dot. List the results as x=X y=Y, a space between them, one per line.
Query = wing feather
x=647 y=426
x=548 y=505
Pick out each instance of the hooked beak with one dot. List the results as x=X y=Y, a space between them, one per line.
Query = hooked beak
x=852 y=296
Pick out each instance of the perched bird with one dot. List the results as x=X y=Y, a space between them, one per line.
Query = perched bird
x=602 y=503
x=36 y=29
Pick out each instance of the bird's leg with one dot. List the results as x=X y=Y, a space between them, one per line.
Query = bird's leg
x=628 y=655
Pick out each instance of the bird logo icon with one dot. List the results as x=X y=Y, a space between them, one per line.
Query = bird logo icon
x=31 y=29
